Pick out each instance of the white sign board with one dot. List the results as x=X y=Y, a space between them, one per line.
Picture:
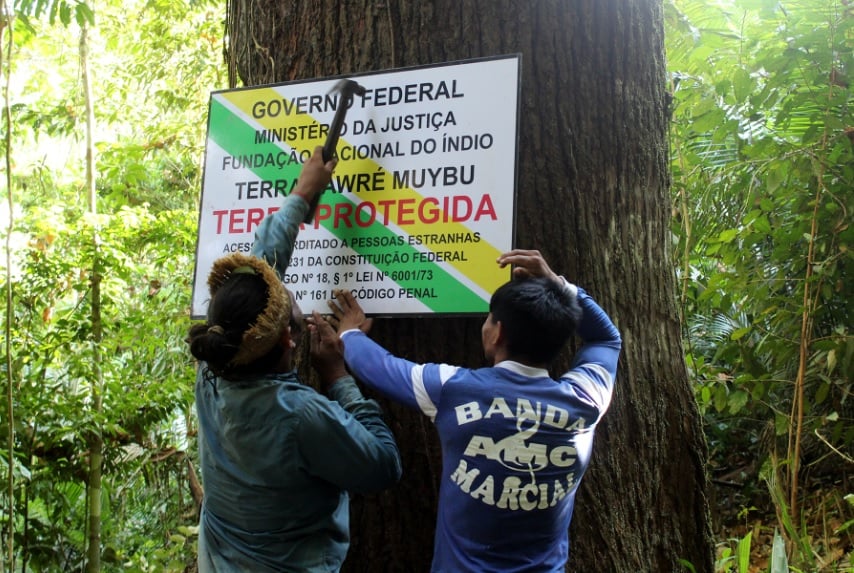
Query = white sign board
x=422 y=199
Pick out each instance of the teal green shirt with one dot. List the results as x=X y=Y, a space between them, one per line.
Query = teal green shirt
x=278 y=459
x=277 y=462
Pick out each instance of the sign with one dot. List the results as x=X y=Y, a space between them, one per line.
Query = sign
x=421 y=202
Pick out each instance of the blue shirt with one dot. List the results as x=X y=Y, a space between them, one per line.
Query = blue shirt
x=515 y=445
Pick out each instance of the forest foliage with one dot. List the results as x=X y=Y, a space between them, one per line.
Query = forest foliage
x=762 y=175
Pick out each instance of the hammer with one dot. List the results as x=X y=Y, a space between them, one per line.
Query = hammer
x=346 y=89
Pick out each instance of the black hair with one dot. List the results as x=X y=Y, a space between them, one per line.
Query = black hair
x=538 y=317
x=232 y=311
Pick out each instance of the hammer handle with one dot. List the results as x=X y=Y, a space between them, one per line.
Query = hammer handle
x=335 y=129
x=312 y=207
x=330 y=145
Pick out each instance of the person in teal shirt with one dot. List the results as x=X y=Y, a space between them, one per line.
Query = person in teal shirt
x=278 y=458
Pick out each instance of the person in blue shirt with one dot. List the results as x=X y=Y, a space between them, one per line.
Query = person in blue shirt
x=515 y=442
x=278 y=458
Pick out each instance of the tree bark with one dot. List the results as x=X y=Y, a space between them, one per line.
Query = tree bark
x=592 y=197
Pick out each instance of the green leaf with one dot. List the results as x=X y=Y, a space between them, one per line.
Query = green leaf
x=743 y=552
x=728 y=235
x=739 y=333
x=742 y=85
x=83 y=15
x=65 y=13
x=722 y=87
x=189 y=530
x=721 y=398
x=822 y=392
x=705 y=394
x=737 y=401
x=762 y=225
x=831 y=361
x=709 y=120
x=781 y=424
x=779 y=560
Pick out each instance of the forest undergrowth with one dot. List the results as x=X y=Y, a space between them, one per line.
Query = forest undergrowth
x=744 y=512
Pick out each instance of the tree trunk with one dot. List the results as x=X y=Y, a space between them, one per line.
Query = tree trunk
x=96 y=442
x=592 y=196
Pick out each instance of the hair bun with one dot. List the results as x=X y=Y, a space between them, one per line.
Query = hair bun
x=266 y=331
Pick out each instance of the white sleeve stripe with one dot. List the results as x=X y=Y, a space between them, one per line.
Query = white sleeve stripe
x=424 y=402
x=593 y=386
x=600 y=370
x=446 y=371
x=421 y=396
x=573 y=289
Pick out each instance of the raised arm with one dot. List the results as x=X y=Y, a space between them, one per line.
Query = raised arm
x=277 y=233
x=414 y=385
x=602 y=342
x=594 y=366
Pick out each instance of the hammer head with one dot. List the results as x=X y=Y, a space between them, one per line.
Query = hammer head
x=347 y=88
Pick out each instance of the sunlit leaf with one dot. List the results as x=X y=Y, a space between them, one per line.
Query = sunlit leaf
x=742 y=84
x=728 y=235
x=739 y=333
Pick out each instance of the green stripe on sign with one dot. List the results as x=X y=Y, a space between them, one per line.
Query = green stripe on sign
x=237 y=138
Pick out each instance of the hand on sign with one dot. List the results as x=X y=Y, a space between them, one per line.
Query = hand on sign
x=528 y=264
x=347 y=312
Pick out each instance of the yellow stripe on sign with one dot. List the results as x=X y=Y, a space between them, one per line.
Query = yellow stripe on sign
x=478 y=254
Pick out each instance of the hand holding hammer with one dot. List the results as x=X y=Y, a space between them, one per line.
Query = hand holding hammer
x=346 y=90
